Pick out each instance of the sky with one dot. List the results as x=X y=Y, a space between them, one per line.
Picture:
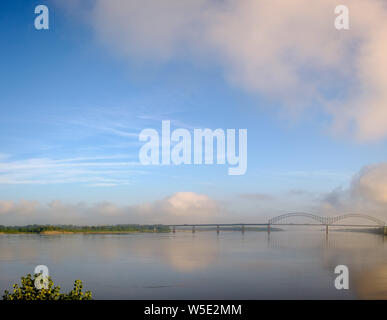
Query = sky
x=75 y=97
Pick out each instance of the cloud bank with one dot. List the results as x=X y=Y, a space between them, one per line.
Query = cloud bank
x=371 y=184
x=181 y=207
x=367 y=194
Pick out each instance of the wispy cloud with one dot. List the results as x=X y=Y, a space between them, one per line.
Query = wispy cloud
x=315 y=173
x=87 y=170
x=114 y=128
x=256 y=196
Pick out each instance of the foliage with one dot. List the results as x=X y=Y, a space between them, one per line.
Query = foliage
x=86 y=229
x=28 y=291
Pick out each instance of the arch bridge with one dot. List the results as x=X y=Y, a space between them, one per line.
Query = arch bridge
x=325 y=220
x=282 y=220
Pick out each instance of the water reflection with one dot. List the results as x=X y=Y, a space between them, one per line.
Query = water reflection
x=372 y=283
x=182 y=254
x=291 y=264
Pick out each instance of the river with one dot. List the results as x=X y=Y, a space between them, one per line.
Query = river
x=291 y=264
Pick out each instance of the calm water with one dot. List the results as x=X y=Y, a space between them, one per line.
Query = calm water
x=291 y=264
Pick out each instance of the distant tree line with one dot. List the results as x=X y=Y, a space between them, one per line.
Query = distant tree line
x=36 y=228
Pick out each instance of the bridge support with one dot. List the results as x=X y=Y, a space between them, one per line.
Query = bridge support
x=268 y=228
x=326 y=229
x=217 y=229
x=174 y=229
x=243 y=228
x=193 y=229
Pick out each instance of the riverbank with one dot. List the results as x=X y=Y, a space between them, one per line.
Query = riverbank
x=81 y=232
x=68 y=229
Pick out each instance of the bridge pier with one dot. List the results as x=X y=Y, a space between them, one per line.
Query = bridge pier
x=326 y=229
x=217 y=229
x=243 y=228
x=193 y=229
x=174 y=229
x=268 y=228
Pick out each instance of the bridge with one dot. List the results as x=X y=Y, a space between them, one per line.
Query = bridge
x=282 y=220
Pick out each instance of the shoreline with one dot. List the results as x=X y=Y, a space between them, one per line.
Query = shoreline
x=122 y=232
x=80 y=232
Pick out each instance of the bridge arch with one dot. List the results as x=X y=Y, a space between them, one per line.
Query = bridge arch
x=317 y=218
x=325 y=220
x=332 y=220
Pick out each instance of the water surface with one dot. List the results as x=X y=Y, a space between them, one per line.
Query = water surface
x=293 y=264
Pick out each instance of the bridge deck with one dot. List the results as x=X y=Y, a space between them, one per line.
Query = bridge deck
x=274 y=224
x=320 y=221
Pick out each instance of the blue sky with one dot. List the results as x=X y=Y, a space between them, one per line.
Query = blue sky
x=72 y=107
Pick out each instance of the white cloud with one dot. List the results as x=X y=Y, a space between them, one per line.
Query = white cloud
x=181 y=207
x=6 y=206
x=371 y=184
x=367 y=194
x=21 y=208
x=183 y=203
x=285 y=50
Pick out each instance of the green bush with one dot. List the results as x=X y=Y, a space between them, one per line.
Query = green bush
x=28 y=291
